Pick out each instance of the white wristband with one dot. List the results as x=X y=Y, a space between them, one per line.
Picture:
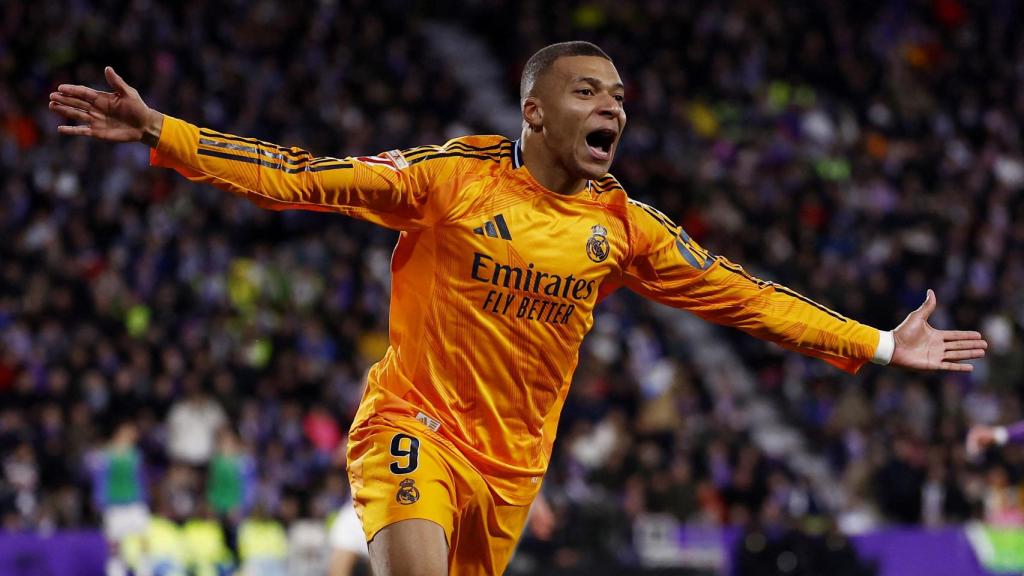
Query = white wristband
x=1000 y=435
x=886 y=346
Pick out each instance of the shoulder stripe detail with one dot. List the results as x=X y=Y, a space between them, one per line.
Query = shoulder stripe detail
x=325 y=159
x=454 y=147
x=658 y=216
x=492 y=157
x=602 y=187
x=478 y=148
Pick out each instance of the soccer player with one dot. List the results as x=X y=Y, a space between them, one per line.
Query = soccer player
x=980 y=437
x=505 y=247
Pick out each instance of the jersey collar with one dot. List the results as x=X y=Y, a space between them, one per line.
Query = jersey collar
x=517 y=161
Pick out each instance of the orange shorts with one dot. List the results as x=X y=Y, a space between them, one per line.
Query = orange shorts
x=400 y=472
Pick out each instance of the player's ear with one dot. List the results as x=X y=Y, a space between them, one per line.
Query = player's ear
x=533 y=114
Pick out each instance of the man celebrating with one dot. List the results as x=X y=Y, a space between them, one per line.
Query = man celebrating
x=505 y=249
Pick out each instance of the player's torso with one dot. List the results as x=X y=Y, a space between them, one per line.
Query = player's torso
x=536 y=261
x=506 y=289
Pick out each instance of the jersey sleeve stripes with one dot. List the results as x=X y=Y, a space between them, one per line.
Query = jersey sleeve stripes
x=672 y=268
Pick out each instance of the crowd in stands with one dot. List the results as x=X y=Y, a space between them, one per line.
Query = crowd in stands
x=856 y=153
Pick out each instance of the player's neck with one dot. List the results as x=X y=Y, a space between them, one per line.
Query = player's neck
x=546 y=170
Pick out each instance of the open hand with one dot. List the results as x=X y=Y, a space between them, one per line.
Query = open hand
x=978 y=438
x=921 y=347
x=118 y=116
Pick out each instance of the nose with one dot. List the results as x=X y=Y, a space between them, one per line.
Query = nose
x=609 y=107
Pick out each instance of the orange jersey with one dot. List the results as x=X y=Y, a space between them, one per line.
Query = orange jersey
x=495 y=279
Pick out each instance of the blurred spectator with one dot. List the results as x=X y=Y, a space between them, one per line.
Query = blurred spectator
x=347 y=543
x=207 y=549
x=262 y=545
x=192 y=426
x=119 y=491
x=322 y=431
x=1002 y=500
x=21 y=475
x=900 y=482
x=230 y=486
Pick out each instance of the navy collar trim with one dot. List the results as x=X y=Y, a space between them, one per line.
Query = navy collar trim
x=517 y=161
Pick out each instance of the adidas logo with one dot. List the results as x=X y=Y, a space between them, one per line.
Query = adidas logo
x=494 y=229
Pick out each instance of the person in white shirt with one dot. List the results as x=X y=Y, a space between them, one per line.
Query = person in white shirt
x=347 y=542
x=192 y=426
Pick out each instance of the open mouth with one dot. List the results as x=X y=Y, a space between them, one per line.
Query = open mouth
x=600 y=143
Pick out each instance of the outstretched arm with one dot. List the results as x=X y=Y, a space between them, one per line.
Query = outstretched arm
x=668 y=266
x=394 y=189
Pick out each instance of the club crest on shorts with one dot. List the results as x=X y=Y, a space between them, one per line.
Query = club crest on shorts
x=408 y=493
x=597 y=245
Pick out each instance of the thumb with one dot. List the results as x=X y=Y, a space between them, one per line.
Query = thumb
x=928 y=306
x=115 y=81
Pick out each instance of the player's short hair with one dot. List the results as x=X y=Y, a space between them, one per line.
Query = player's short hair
x=542 y=60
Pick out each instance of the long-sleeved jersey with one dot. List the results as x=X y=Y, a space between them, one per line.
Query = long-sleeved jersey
x=495 y=279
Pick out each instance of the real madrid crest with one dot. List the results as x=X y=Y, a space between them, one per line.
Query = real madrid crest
x=597 y=245
x=408 y=493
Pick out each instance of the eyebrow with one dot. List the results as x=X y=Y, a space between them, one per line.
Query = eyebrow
x=597 y=82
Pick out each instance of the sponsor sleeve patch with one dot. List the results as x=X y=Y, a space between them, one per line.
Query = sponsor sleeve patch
x=397 y=157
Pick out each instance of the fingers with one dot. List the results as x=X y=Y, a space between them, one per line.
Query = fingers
x=928 y=306
x=75 y=130
x=966 y=345
x=955 y=367
x=80 y=92
x=70 y=101
x=963 y=354
x=952 y=335
x=115 y=81
x=70 y=113
x=68 y=107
